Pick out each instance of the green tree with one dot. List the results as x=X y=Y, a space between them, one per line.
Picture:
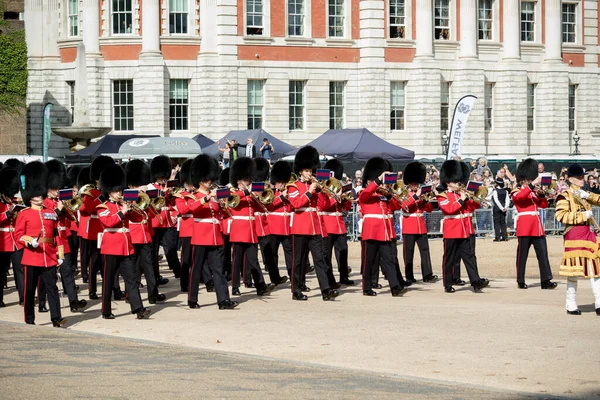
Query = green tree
x=13 y=71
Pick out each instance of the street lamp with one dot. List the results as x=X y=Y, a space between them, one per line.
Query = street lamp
x=445 y=141
x=576 y=141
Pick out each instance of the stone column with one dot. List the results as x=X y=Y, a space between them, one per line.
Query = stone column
x=91 y=26
x=425 y=29
x=512 y=30
x=553 y=31
x=33 y=27
x=150 y=26
x=468 y=29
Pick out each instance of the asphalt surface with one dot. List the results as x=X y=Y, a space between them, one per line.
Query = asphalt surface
x=40 y=362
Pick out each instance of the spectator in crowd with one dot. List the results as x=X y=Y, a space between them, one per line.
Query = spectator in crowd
x=592 y=184
x=233 y=150
x=250 y=149
x=226 y=153
x=267 y=150
x=473 y=164
x=358 y=174
x=482 y=165
x=541 y=168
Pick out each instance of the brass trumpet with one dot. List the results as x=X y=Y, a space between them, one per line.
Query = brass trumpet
x=158 y=203
x=398 y=190
x=267 y=196
x=74 y=204
x=86 y=189
x=330 y=187
x=143 y=202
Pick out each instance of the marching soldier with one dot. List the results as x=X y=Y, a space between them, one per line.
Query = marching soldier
x=72 y=175
x=116 y=245
x=280 y=212
x=580 y=259
x=457 y=244
x=83 y=179
x=528 y=200
x=226 y=228
x=37 y=229
x=186 y=223
x=9 y=187
x=414 y=230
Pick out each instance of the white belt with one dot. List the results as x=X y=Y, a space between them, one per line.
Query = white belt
x=469 y=215
x=93 y=216
x=332 y=214
x=378 y=216
x=7 y=229
x=528 y=213
x=259 y=214
x=459 y=216
x=281 y=214
x=309 y=209
x=187 y=215
x=116 y=230
x=208 y=220
x=61 y=228
x=249 y=218
x=138 y=223
x=413 y=215
x=165 y=209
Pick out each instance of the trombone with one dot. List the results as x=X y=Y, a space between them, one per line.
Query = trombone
x=330 y=187
x=231 y=202
x=478 y=196
x=398 y=191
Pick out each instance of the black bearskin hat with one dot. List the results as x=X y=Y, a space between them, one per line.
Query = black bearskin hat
x=73 y=174
x=204 y=168
x=57 y=174
x=466 y=171
x=138 y=173
x=451 y=172
x=34 y=181
x=161 y=167
x=281 y=172
x=14 y=164
x=224 y=178
x=243 y=168
x=306 y=158
x=84 y=178
x=336 y=166
x=9 y=182
x=184 y=173
x=414 y=172
x=373 y=168
x=112 y=179
x=527 y=170
x=262 y=169
x=98 y=166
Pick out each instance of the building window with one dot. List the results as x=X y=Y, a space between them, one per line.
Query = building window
x=569 y=22
x=486 y=19
x=255 y=104
x=489 y=106
x=71 y=85
x=336 y=18
x=178 y=16
x=73 y=17
x=297 y=105
x=178 y=105
x=397 y=103
x=296 y=17
x=254 y=17
x=397 y=19
x=531 y=107
x=442 y=19
x=123 y=105
x=122 y=16
x=572 y=105
x=336 y=105
x=444 y=105
x=528 y=21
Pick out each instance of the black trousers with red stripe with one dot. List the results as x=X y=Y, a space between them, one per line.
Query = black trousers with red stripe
x=226 y=255
x=74 y=246
x=541 y=253
x=85 y=258
x=143 y=263
x=94 y=265
x=456 y=273
x=167 y=238
x=19 y=273
x=374 y=254
x=339 y=245
x=213 y=257
x=186 y=263
x=410 y=241
x=286 y=243
x=4 y=266
x=245 y=260
x=67 y=277
x=454 y=251
x=268 y=256
x=49 y=277
x=126 y=265
x=301 y=245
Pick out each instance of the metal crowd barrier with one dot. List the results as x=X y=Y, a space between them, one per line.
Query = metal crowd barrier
x=483 y=220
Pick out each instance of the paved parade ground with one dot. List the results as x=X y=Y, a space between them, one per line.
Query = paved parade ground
x=504 y=343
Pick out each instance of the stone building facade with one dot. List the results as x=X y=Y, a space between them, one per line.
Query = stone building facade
x=299 y=67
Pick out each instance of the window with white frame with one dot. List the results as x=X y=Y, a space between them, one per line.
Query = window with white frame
x=336 y=105
x=73 y=15
x=397 y=104
x=178 y=16
x=71 y=85
x=528 y=21
x=297 y=105
x=123 y=105
x=442 y=19
x=569 y=22
x=255 y=103
x=531 y=107
x=444 y=104
x=295 y=17
x=122 y=17
x=572 y=105
x=397 y=19
x=336 y=18
x=488 y=95
x=254 y=17
x=179 y=104
x=485 y=17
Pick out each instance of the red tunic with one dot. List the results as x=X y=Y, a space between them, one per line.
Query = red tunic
x=64 y=222
x=306 y=219
x=261 y=222
x=90 y=226
x=7 y=228
x=377 y=215
x=38 y=223
x=206 y=221
x=333 y=217
x=140 y=227
x=454 y=224
x=471 y=206
x=186 y=219
x=243 y=228
x=280 y=213
x=116 y=238
x=413 y=214
x=166 y=219
x=528 y=204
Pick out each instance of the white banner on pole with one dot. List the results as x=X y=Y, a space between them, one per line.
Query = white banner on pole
x=459 y=122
